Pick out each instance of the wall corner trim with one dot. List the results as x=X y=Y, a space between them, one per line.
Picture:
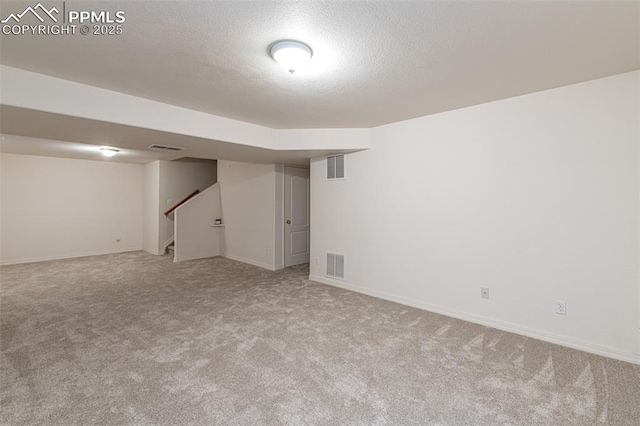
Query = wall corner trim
x=194 y=257
x=252 y=262
x=151 y=251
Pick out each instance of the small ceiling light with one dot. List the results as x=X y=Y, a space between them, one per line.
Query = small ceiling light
x=109 y=152
x=290 y=54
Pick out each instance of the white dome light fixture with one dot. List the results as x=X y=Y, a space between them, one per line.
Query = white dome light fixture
x=108 y=152
x=290 y=54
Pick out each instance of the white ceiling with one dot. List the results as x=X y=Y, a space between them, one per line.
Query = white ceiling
x=374 y=62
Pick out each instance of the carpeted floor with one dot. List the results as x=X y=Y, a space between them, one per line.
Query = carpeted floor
x=137 y=339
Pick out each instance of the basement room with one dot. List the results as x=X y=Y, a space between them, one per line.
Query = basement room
x=320 y=213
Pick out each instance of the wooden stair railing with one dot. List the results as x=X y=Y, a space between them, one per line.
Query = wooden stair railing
x=190 y=196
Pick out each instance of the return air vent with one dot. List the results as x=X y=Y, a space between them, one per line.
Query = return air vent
x=335 y=167
x=335 y=265
x=166 y=148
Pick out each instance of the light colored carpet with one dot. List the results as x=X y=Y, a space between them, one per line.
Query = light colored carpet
x=137 y=339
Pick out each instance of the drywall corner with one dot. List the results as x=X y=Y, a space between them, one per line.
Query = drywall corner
x=150 y=218
x=248 y=194
x=278 y=248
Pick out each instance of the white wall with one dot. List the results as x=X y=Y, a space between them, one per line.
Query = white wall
x=195 y=238
x=57 y=208
x=29 y=90
x=249 y=210
x=178 y=179
x=535 y=197
x=279 y=217
x=151 y=218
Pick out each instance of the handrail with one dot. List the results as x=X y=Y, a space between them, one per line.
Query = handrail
x=190 y=196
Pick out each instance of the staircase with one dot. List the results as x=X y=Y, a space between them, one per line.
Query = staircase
x=187 y=198
x=195 y=234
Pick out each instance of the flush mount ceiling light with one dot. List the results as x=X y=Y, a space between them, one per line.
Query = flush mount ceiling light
x=109 y=152
x=290 y=54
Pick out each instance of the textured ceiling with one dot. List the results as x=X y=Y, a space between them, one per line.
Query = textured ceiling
x=374 y=62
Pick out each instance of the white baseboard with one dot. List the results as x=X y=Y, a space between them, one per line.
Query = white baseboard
x=194 y=257
x=606 y=351
x=253 y=262
x=69 y=256
x=154 y=252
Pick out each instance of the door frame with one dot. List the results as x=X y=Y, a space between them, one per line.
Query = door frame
x=281 y=218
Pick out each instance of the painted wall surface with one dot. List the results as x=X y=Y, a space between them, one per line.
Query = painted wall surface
x=279 y=217
x=40 y=92
x=249 y=212
x=535 y=197
x=195 y=238
x=151 y=219
x=57 y=208
x=178 y=179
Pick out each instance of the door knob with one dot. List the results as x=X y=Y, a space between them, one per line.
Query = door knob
x=288 y=222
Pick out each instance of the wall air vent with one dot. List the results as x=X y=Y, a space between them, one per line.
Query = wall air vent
x=335 y=265
x=335 y=167
x=166 y=148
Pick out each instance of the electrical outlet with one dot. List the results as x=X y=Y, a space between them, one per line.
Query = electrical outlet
x=169 y=200
x=484 y=292
x=317 y=261
x=561 y=307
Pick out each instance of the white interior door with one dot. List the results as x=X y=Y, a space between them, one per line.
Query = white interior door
x=296 y=216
